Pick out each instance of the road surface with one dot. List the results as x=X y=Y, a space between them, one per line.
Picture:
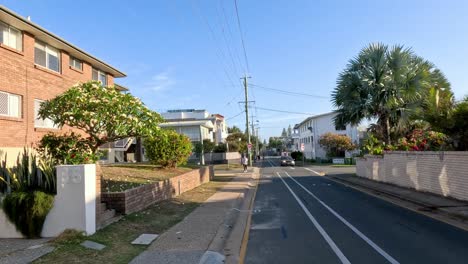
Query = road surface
x=301 y=217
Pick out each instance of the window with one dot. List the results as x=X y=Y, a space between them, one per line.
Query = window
x=11 y=36
x=100 y=76
x=76 y=63
x=39 y=122
x=10 y=104
x=46 y=56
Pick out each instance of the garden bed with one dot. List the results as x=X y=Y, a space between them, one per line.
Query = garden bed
x=147 y=193
x=121 y=177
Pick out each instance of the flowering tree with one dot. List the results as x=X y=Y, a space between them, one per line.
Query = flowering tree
x=335 y=144
x=104 y=113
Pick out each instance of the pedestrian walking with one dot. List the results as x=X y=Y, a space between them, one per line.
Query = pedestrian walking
x=244 y=162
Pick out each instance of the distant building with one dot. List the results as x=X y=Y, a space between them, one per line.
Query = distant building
x=197 y=124
x=308 y=132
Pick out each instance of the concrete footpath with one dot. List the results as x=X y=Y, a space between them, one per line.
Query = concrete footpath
x=213 y=232
x=18 y=250
x=448 y=210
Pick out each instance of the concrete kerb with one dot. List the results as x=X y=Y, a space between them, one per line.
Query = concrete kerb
x=228 y=239
x=457 y=220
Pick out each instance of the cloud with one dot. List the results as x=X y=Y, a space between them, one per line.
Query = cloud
x=161 y=81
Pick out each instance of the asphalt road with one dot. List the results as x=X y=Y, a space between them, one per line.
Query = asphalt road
x=300 y=217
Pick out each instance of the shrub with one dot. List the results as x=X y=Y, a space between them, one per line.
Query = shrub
x=419 y=140
x=66 y=149
x=29 y=174
x=168 y=148
x=336 y=144
x=296 y=155
x=220 y=148
x=372 y=145
x=28 y=210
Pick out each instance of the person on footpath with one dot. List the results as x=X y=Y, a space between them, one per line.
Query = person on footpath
x=244 y=162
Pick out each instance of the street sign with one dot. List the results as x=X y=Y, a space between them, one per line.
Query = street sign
x=249 y=146
x=302 y=147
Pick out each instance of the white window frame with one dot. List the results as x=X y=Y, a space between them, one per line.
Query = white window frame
x=73 y=62
x=47 y=49
x=99 y=73
x=20 y=102
x=7 y=42
x=42 y=123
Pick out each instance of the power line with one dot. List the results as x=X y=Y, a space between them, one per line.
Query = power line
x=235 y=116
x=289 y=92
x=231 y=35
x=220 y=53
x=284 y=111
x=242 y=37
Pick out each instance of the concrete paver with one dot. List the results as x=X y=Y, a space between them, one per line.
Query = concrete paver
x=92 y=245
x=144 y=239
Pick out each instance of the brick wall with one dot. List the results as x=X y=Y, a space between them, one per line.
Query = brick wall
x=20 y=75
x=141 y=197
x=442 y=173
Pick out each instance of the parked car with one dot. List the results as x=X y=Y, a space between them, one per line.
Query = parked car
x=287 y=161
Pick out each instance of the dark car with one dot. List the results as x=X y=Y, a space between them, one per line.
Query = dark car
x=287 y=161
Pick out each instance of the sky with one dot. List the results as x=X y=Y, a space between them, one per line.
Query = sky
x=188 y=54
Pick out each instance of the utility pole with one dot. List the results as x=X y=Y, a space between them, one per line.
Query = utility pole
x=253 y=132
x=256 y=143
x=249 y=154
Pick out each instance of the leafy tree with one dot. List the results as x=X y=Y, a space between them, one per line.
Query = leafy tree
x=289 y=130
x=387 y=84
x=336 y=144
x=104 y=113
x=208 y=146
x=234 y=129
x=274 y=142
x=457 y=127
x=237 y=142
x=220 y=148
x=167 y=148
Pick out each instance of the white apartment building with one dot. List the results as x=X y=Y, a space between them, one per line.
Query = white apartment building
x=308 y=132
x=197 y=124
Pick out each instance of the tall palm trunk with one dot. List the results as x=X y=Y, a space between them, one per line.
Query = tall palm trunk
x=387 y=130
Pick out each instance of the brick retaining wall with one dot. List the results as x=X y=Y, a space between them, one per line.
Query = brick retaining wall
x=139 y=198
x=443 y=173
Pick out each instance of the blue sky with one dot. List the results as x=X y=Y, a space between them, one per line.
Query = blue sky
x=176 y=55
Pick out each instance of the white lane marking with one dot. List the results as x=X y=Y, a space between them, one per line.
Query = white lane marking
x=324 y=234
x=292 y=168
x=359 y=233
x=313 y=171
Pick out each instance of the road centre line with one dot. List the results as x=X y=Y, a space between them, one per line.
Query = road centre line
x=324 y=234
x=355 y=230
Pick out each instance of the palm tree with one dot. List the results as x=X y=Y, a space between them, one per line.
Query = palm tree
x=386 y=84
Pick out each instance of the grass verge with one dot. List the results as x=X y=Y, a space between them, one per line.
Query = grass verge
x=117 y=237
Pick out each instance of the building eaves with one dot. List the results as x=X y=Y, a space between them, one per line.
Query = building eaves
x=42 y=34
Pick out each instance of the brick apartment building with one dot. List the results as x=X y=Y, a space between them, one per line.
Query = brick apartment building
x=36 y=65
